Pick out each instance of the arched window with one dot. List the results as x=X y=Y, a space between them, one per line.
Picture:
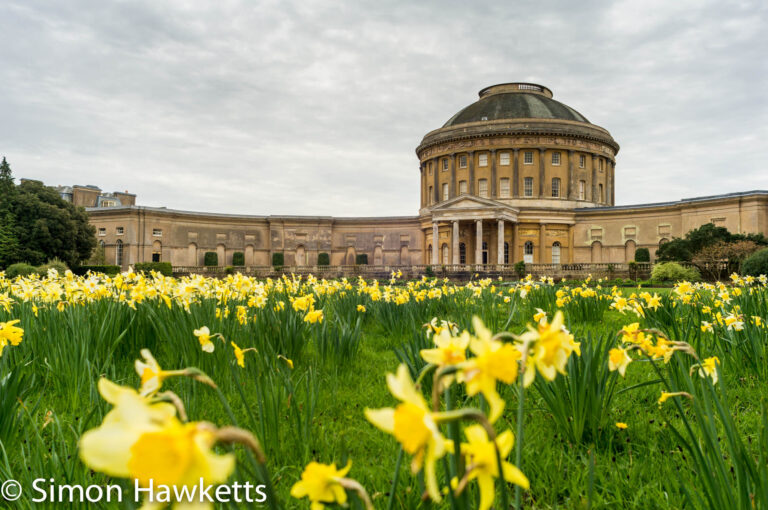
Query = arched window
x=597 y=252
x=555 y=187
x=119 y=253
x=301 y=258
x=157 y=251
x=528 y=252
x=629 y=250
x=446 y=254
x=506 y=253
x=429 y=254
x=556 y=252
x=462 y=253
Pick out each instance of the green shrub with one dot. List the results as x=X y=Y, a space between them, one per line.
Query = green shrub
x=211 y=258
x=238 y=258
x=520 y=268
x=54 y=263
x=323 y=259
x=674 y=272
x=756 y=264
x=361 y=259
x=109 y=270
x=19 y=269
x=428 y=272
x=163 y=268
x=278 y=260
x=229 y=270
x=642 y=255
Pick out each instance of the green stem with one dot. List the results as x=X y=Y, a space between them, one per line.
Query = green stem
x=396 y=478
x=519 y=438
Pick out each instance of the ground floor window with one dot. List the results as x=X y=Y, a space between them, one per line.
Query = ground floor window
x=528 y=252
x=462 y=253
x=506 y=253
x=556 y=253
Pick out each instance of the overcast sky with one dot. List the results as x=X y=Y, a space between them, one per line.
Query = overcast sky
x=307 y=107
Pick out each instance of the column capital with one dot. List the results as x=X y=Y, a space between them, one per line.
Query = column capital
x=516 y=150
x=541 y=149
x=493 y=151
x=571 y=151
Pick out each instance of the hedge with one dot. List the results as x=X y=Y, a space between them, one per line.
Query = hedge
x=19 y=269
x=211 y=258
x=642 y=255
x=107 y=269
x=323 y=259
x=278 y=259
x=756 y=264
x=674 y=272
x=361 y=259
x=238 y=258
x=163 y=268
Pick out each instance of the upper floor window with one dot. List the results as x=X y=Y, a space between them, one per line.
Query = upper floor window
x=120 y=231
x=582 y=190
x=445 y=164
x=108 y=203
x=582 y=161
x=430 y=169
x=102 y=231
x=600 y=186
x=555 y=158
x=482 y=160
x=431 y=196
x=601 y=165
x=504 y=188
x=445 y=191
x=528 y=187
x=157 y=232
x=463 y=161
x=462 y=186
x=504 y=158
x=528 y=157
x=482 y=188
x=556 y=187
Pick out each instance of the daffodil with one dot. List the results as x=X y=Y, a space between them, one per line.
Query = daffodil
x=621 y=425
x=414 y=426
x=493 y=361
x=667 y=395
x=550 y=347
x=361 y=308
x=10 y=334
x=240 y=353
x=449 y=350
x=204 y=337
x=314 y=316
x=321 y=484
x=618 y=359
x=152 y=376
x=708 y=368
x=146 y=442
x=482 y=463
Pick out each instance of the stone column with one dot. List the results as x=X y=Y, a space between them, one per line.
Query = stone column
x=594 y=198
x=423 y=184
x=570 y=243
x=541 y=172
x=570 y=175
x=452 y=190
x=435 y=244
x=479 y=242
x=471 y=163
x=516 y=174
x=613 y=183
x=455 y=242
x=436 y=190
x=500 y=244
x=542 y=244
x=493 y=173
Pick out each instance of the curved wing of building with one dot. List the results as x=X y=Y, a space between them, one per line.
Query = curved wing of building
x=514 y=176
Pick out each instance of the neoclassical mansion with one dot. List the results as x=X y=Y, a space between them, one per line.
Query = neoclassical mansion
x=514 y=176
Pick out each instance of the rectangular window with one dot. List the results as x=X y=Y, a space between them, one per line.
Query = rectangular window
x=556 y=158
x=556 y=187
x=528 y=187
x=102 y=231
x=445 y=191
x=601 y=165
x=462 y=186
x=582 y=190
x=431 y=196
x=504 y=158
x=600 y=186
x=528 y=157
x=157 y=232
x=445 y=165
x=582 y=161
x=430 y=169
x=504 y=188
x=119 y=231
x=482 y=188
x=462 y=161
x=482 y=160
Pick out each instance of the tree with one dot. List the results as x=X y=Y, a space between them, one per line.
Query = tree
x=44 y=225
x=9 y=244
x=722 y=258
x=675 y=250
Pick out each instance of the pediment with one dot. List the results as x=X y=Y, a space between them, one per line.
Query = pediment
x=465 y=202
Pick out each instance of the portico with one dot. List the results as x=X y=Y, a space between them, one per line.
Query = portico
x=469 y=230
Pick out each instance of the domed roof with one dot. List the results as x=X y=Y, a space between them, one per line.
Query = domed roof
x=515 y=101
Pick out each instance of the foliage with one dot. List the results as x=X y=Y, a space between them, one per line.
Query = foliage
x=722 y=258
x=54 y=263
x=238 y=258
x=107 y=269
x=211 y=258
x=361 y=259
x=685 y=249
x=9 y=243
x=163 y=268
x=278 y=259
x=520 y=268
x=674 y=272
x=20 y=269
x=642 y=255
x=323 y=259
x=756 y=264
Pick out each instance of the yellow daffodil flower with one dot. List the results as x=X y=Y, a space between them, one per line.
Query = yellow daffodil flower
x=450 y=350
x=551 y=346
x=361 y=308
x=708 y=368
x=320 y=483
x=10 y=334
x=204 y=336
x=621 y=425
x=618 y=359
x=314 y=316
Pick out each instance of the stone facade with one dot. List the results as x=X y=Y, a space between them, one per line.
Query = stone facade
x=514 y=176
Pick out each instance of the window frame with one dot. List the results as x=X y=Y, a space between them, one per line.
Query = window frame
x=482 y=159
x=527 y=155
x=463 y=161
x=582 y=190
x=504 y=193
x=446 y=191
x=463 y=188
x=555 y=187
x=504 y=156
x=528 y=190
x=556 y=155
x=480 y=184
